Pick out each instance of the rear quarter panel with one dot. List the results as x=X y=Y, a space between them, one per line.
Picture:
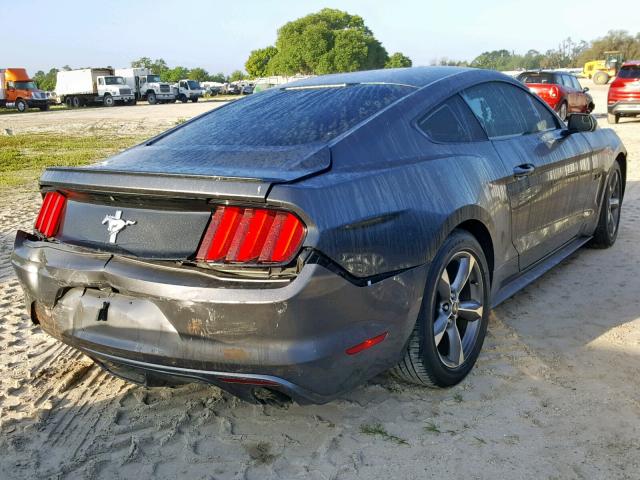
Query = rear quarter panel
x=392 y=195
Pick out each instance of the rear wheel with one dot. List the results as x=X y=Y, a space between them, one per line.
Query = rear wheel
x=194 y=99
x=76 y=102
x=183 y=98
x=609 y=221
x=44 y=108
x=452 y=323
x=612 y=118
x=601 y=78
x=21 y=105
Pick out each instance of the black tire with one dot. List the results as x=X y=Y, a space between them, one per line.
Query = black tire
x=183 y=98
x=563 y=111
x=613 y=119
x=194 y=99
x=21 y=105
x=601 y=78
x=108 y=100
x=426 y=359
x=610 y=211
x=134 y=101
x=76 y=102
x=44 y=108
x=151 y=98
x=67 y=102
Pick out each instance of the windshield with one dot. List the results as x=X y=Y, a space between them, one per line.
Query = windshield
x=193 y=85
x=153 y=78
x=630 y=71
x=25 y=85
x=537 y=77
x=285 y=117
x=114 y=80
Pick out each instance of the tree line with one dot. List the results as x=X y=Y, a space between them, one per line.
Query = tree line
x=567 y=54
x=332 y=41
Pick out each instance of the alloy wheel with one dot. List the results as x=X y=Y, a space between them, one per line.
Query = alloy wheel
x=613 y=203
x=458 y=309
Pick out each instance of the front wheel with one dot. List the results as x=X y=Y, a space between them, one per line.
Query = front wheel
x=151 y=98
x=613 y=119
x=21 y=105
x=108 y=100
x=453 y=318
x=609 y=220
x=601 y=78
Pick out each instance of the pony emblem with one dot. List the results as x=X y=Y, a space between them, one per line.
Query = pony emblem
x=115 y=224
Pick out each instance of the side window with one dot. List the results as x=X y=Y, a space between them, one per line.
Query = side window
x=506 y=110
x=452 y=122
x=101 y=81
x=494 y=111
x=566 y=81
x=545 y=119
x=576 y=83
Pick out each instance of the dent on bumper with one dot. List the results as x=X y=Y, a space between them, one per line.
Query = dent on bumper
x=171 y=317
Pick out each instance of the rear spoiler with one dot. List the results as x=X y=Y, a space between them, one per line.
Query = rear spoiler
x=156 y=184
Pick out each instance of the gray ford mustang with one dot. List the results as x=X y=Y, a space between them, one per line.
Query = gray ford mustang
x=304 y=239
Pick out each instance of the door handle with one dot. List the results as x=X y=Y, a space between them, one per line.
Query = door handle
x=523 y=170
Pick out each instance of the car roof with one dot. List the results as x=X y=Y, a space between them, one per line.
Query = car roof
x=415 y=77
x=631 y=63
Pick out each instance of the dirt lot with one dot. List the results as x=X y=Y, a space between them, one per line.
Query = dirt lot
x=116 y=120
x=554 y=394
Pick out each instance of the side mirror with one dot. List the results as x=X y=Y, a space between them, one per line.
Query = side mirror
x=581 y=122
x=585 y=89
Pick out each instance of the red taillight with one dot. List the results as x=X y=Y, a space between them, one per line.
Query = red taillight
x=553 y=92
x=50 y=214
x=251 y=235
x=366 y=344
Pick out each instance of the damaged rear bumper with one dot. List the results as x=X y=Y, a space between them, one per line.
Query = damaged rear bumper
x=145 y=321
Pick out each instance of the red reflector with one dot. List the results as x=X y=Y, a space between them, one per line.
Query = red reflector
x=50 y=214
x=251 y=235
x=367 y=344
x=248 y=381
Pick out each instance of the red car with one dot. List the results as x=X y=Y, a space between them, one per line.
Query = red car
x=624 y=93
x=562 y=91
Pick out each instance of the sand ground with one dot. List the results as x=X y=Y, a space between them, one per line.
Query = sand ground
x=554 y=395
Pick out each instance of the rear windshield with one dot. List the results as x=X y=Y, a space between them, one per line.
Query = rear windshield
x=284 y=117
x=537 y=77
x=630 y=71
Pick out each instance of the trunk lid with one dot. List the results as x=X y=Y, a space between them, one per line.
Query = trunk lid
x=165 y=197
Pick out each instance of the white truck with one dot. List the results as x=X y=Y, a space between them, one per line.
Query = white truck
x=146 y=85
x=188 y=90
x=86 y=86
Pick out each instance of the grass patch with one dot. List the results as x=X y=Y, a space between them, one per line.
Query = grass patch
x=377 y=430
x=23 y=157
x=432 y=428
x=13 y=111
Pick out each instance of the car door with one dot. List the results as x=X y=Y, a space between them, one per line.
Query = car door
x=582 y=99
x=572 y=97
x=548 y=173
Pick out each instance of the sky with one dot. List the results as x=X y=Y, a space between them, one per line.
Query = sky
x=218 y=35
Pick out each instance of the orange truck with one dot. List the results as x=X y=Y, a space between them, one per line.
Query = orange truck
x=18 y=91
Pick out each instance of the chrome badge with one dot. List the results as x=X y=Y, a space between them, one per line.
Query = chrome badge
x=115 y=224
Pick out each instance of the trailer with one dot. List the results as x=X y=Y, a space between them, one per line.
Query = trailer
x=91 y=86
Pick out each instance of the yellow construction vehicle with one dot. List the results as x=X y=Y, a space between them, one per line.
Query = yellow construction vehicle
x=601 y=71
